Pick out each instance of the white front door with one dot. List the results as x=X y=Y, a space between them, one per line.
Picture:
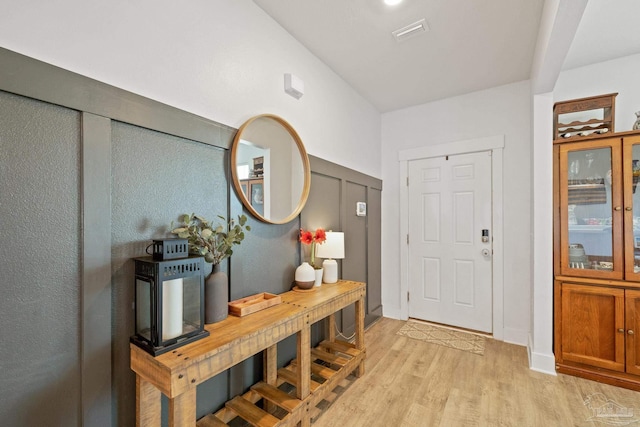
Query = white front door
x=450 y=274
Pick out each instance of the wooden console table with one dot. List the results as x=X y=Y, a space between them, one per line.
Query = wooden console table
x=176 y=374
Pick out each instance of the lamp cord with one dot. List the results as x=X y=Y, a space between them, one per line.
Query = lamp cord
x=346 y=338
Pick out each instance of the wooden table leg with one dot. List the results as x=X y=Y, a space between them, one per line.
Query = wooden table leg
x=304 y=369
x=148 y=404
x=270 y=372
x=330 y=331
x=360 y=333
x=304 y=362
x=182 y=409
x=270 y=363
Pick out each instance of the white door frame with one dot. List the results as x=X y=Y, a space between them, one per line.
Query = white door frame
x=495 y=144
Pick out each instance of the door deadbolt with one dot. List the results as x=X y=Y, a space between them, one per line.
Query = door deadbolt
x=485 y=236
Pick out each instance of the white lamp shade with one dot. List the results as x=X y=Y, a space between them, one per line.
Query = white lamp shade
x=333 y=247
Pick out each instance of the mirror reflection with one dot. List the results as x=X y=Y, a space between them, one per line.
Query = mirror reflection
x=270 y=169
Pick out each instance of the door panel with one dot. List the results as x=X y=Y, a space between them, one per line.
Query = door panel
x=449 y=207
x=631 y=173
x=463 y=205
x=431 y=270
x=632 y=313
x=591 y=231
x=593 y=326
x=464 y=283
x=431 y=208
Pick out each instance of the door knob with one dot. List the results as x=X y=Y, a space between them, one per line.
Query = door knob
x=630 y=331
x=628 y=208
x=617 y=208
x=486 y=252
x=621 y=330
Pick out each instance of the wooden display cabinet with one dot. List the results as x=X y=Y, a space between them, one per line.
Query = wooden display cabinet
x=597 y=258
x=253 y=189
x=580 y=118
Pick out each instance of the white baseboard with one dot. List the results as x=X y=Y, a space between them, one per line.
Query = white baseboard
x=539 y=362
x=392 y=312
x=515 y=336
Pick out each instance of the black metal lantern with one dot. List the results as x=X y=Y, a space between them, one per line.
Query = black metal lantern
x=169 y=298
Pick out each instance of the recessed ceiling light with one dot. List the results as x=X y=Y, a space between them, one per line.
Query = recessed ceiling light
x=392 y=2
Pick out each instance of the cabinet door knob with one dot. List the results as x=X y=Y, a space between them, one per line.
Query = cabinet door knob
x=617 y=208
x=628 y=208
x=630 y=331
x=621 y=330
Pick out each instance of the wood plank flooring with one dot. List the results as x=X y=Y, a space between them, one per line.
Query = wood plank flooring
x=413 y=383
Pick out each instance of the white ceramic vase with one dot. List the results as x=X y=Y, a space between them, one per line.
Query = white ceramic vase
x=318 y=276
x=305 y=276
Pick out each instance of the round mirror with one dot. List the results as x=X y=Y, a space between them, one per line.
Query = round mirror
x=270 y=169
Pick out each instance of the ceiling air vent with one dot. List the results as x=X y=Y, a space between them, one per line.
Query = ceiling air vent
x=411 y=30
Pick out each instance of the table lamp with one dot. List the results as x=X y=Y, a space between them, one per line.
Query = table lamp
x=330 y=250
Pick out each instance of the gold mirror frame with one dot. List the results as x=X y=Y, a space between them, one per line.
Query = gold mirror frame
x=306 y=168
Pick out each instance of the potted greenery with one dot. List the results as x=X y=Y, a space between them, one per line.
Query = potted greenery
x=215 y=243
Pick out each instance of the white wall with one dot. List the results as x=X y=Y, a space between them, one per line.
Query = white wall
x=504 y=111
x=620 y=75
x=221 y=59
x=558 y=25
x=540 y=342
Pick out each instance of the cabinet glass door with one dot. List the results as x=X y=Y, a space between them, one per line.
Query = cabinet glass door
x=591 y=212
x=632 y=207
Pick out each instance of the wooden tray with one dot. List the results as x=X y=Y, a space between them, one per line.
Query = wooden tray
x=251 y=304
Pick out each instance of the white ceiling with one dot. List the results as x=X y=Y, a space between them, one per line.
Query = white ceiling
x=608 y=30
x=471 y=45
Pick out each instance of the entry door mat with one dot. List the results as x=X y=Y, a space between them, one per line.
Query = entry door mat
x=446 y=337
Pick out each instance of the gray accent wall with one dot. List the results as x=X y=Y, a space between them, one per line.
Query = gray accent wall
x=96 y=269
x=90 y=174
x=41 y=266
x=335 y=190
x=155 y=177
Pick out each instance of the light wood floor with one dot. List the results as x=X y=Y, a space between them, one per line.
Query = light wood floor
x=413 y=383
